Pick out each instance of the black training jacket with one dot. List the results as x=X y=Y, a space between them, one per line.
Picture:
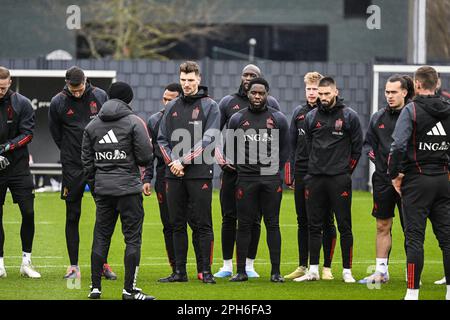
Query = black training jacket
x=16 y=131
x=421 y=138
x=115 y=144
x=67 y=118
x=378 y=140
x=260 y=142
x=153 y=128
x=299 y=151
x=184 y=116
x=334 y=139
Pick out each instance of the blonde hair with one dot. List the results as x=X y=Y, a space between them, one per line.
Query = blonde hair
x=312 y=77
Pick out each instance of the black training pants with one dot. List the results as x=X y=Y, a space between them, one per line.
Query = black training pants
x=329 y=229
x=425 y=197
x=160 y=189
x=197 y=193
x=255 y=197
x=229 y=218
x=323 y=193
x=131 y=213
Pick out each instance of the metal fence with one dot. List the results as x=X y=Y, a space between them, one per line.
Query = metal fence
x=148 y=79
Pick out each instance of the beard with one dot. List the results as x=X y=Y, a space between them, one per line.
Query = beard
x=328 y=104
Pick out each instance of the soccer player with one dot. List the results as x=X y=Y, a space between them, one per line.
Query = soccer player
x=171 y=92
x=299 y=157
x=16 y=131
x=115 y=144
x=189 y=127
x=256 y=135
x=229 y=105
x=444 y=94
x=418 y=167
x=334 y=141
x=398 y=91
x=69 y=113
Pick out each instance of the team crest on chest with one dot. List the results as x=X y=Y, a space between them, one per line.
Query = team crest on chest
x=10 y=113
x=93 y=107
x=338 y=127
x=195 y=113
x=338 y=124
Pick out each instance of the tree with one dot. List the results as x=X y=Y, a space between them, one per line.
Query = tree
x=438 y=29
x=129 y=29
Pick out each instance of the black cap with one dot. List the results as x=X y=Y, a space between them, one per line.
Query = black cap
x=74 y=76
x=122 y=91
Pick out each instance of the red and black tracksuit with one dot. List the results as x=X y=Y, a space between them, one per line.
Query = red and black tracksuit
x=334 y=141
x=257 y=137
x=68 y=116
x=160 y=189
x=228 y=106
x=377 y=146
x=299 y=160
x=420 y=150
x=196 y=122
x=16 y=131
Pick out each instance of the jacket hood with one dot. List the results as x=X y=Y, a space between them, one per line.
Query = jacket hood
x=114 y=109
x=242 y=92
x=202 y=93
x=434 y=105
x=338 y=105
x=86 y=91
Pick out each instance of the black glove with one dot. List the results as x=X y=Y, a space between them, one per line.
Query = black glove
x=4 y=162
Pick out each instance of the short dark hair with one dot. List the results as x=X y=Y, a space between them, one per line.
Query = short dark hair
x=427 y=76
x=190 y=66
x=174 y=87
x=75 y=76
x=4 y=73
x=327 y=82
x=259 y=81
x=406 y=82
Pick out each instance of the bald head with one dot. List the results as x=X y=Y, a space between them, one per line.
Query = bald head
x=250 y=72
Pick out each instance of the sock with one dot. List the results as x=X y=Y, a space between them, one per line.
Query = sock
x=347 y=271
x=381 y=265
x=447 y=296
x=26 y=258
x=249 y=264
x=412 y=294
x=2 y=264
x=228 y=264
x=314 y=268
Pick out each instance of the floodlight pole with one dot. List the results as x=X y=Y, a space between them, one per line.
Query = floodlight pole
x=419 y=34
x=251 y=53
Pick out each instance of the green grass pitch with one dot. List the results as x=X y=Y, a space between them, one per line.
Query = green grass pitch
x=51 y=259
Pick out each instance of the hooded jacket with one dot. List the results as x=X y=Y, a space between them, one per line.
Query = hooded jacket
x=334 y=139
x=16 y=131
x=421 y=138
x=378 y=140
x=259 y=138
x=67 y=118
x=115 y=144
x=299 y=152
x=198 y=117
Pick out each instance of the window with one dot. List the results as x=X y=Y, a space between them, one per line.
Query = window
x=356 y=8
